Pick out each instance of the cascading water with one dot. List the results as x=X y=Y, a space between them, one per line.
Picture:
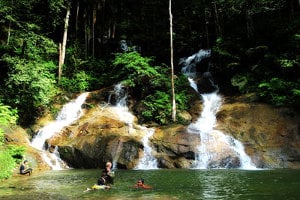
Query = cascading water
x=121 y=108
x=69 y=113
x=148 y=161
x=216 y=150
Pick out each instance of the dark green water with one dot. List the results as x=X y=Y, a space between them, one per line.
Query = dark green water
x=168 y=184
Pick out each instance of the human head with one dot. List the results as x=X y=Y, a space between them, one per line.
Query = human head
x=101 y=181
x=25 y=161
x=140 y=181
x=108 y=164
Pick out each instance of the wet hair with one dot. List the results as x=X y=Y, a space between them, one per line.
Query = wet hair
x=142 y=180
x=101 y=181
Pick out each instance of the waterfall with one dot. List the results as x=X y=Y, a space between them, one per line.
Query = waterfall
x=189 y=63
x=69 y=113
x=148 y=161
x=216 y=150
x=121 y=108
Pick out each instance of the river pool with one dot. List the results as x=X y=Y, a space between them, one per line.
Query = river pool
x=167 y=184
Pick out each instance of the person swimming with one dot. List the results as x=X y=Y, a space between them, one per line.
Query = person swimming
x=101 y=184
x=105 y=180
x=141 y=184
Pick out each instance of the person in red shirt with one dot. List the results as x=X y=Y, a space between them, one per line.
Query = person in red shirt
x=141 y=184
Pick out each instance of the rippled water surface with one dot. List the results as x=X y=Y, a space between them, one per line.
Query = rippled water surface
x=167 y=184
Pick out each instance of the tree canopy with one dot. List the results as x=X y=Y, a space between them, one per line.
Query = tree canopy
x=254 y=43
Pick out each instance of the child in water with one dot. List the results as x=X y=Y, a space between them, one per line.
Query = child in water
x=101 y=184
x=141 y=184
x=105 y=180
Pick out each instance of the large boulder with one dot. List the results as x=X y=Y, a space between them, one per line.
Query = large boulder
x=97 y=137
x=175 y=148
x=100 y=136
x=271 y=135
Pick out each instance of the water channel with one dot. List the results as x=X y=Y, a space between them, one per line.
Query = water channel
x=168 y=184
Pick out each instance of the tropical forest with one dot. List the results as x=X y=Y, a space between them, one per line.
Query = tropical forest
x=150 y=85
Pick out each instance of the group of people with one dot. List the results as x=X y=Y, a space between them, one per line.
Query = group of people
x=106 y=180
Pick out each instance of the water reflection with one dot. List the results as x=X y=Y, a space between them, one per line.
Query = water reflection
x=218 y=186
x=167 y=184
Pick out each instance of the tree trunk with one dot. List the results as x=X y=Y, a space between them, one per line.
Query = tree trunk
x=77 y=13
x=207 y=15
x=9 y=25
x=172 y=65
x=8 y=33
x=62 y=47
x=59 y=62
x=86 y=33
x=93 y=30
x=219 y=30
x=249 y=20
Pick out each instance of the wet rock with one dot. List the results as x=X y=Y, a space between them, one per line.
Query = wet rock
x=271 y=137
x=270 y=134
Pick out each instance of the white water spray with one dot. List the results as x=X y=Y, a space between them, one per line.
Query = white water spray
x=69 y=113
x=215 y=146
x=148 y=161
x=121 y=108
x=216 y=149
x=189 y=63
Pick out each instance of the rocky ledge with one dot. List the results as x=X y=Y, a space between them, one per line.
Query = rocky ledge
x=270 y=136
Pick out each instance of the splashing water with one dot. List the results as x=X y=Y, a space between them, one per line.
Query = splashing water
x=216 y=150
x=216 y=147
x=121 y=107
x=69 y=113
x=189 y=64
x=53 y=159
x=148 y=161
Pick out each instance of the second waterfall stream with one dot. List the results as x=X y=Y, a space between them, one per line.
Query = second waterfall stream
x=216 y=149
x=148 y=161
x=69 y=113
x=72 y=111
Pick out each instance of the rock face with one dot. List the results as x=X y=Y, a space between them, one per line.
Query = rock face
x=97 y=137
x=270 y=135
x=175 y=148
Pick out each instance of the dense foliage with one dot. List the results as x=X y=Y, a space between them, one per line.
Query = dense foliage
x=137 y=72
x=255 y=48
x=9 y=155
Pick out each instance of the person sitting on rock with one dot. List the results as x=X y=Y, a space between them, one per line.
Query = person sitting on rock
x=24 y=169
